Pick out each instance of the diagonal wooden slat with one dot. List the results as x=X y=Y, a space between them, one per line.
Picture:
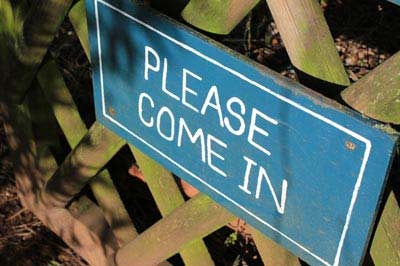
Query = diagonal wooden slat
x=385 y=248
x=44 y=126
x=218 y=17
x=83 y=163
x=377 y=94
x=168 y=197
x=62 y=104
x=28 y=167
x=308 y=41
x=68 y=117
x=74 y=128
x=77 y=16
x=195 y=219
x=30 y=46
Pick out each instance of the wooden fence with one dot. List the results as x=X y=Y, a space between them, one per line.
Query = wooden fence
x=36 y=100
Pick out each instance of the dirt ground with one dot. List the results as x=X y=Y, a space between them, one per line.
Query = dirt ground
x=366 y=33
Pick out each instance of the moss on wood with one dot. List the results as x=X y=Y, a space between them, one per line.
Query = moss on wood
x=377 y=95
x=217 y=16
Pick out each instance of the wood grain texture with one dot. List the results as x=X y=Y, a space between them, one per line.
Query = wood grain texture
x=45 y=132
x=170 y=235
x=308 y=40
x=111 y=209
x=377 y=95
x=168 y=197
x=29 y=46
x=217 y=16
x=88 y=243
x=385 y=249
x=83 y=163
x=77 y=16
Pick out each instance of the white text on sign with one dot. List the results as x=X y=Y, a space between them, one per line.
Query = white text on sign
x=176 y=129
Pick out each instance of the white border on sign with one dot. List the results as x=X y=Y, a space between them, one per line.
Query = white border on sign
x=366 y=141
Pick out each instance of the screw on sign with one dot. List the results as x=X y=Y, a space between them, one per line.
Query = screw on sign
x=304 y=170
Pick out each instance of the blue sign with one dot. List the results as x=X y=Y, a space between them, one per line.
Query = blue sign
x=302 y=169
x=395 y=1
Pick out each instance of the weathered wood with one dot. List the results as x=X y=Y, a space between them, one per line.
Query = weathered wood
x=217 y=16
x=168 y=197
x=31 y=43
x=77 y=16
x=195 y=219
x=81 y=165
x=87 y=243
x=72 y=125
x=307 y=39
x=84 y=210
x=160 y=181
x=12 y=15
x=272 y=253
x=377 y=95
x=88 y=213
x=62 y=103
x=113 y=208
x=385 y=248
x=44 y=124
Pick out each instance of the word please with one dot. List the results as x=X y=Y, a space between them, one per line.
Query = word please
x=212 y=103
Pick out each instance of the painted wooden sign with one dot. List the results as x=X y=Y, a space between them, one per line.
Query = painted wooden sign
x=303 y=170
x=395 y=1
